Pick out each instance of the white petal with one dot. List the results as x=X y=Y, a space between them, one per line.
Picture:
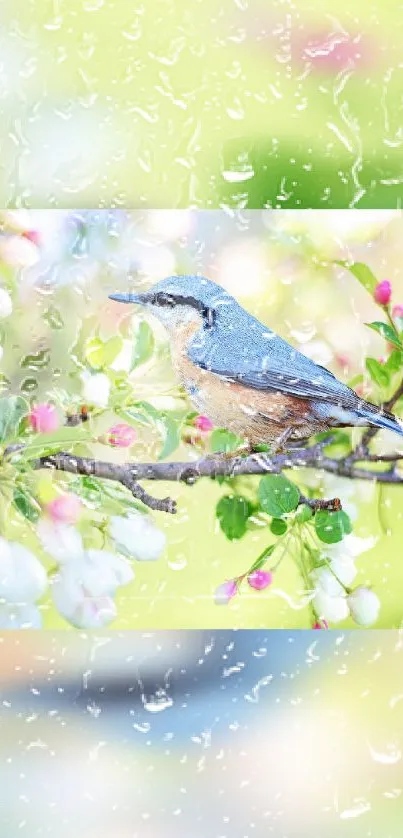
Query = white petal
x=364 y=606
x=73 y=602
x=115 y=568
x=123 y=361
x=344 y=569
x=61 y=541
x=19 y=616
x=137 y=537
x=32 y=579
x=22 y=576
x=332 y=609
x=351 y=546
x=6 y=304
x=96 y=388
x=6 y=568
x=324 y=580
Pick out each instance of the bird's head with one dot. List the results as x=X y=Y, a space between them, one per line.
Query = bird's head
x=179 y=299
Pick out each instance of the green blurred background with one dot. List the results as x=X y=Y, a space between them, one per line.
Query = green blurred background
x=280 y=267
x=236 y=102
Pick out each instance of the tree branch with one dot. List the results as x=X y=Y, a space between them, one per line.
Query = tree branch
x=130 y=474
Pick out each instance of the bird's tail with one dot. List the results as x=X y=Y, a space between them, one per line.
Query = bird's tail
x=380 y=419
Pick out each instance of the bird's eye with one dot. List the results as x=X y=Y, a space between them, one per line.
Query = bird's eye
x=166 y=300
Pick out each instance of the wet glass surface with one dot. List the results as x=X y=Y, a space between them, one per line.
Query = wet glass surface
x=66 y=348
x=203 y=733
x=201 y=104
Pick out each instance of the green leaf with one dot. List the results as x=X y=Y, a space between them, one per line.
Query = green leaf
x=304 y=514
x=222 y=441
x=12 y=410
x=386 y=332
x=172 y=436
x=377 y=372
x=395 y=361
x=362 y=272
x=262 y=559
x=331 y=527
x=233 y=512
x=26 y=504
x=278 y=526
x=356 y=379
x=100 y=354
x=44 y=444
x=53 y=318
x=143 y=345
x=277 y=495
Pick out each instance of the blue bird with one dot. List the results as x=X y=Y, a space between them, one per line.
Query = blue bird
x=242 y=375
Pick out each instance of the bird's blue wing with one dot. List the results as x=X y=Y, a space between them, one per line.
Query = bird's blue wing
x=256 y=357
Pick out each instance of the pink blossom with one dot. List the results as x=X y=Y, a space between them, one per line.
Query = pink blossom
x=260 y=579
x=121 y=435
x=321 y=624
x=32 y=236
x=65 y=508
x=383 y=293
x=225 y=592
x=44 y=418
x=203 y=423
x=342 y=361
x=331 y=52
x=397 y=311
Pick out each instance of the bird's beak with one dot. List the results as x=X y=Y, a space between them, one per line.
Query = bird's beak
x=129 y=298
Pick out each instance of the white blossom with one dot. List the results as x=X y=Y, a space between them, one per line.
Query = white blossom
x=123 y=360
x=351 y=546
x=137 y=536
x=330 y=581
x=18 y=252
x=79 y=605
x=96 y=388
x=62 y=541
x=19 y=616
x=23 y=578
x=87 y=579
x=327 y=578
x=364 y=606
x=333 y=609
x=6 y=303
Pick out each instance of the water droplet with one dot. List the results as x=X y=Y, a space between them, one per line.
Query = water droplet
x=29 y=385
x=53 y=318
x=157 y=702
x=36 y=362
x=179 y=562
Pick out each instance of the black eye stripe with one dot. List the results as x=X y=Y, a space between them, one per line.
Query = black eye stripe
x=170 y=300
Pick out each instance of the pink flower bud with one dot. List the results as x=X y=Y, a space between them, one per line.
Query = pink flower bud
x=32 y=236
x=44 y=418
x=321 y=624
x=260 y=579
x=397 y=311
x=203 y=423
x=225 y=592
x=64 y=509
x=383 y=293
x=121 y=436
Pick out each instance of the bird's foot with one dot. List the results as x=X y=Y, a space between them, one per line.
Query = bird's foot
x=241 y=451
x=279 y=445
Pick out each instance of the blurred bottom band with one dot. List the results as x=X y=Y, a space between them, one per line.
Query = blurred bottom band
x=202 y=733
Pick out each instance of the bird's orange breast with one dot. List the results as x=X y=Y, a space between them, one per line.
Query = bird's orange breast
x=256 y=415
